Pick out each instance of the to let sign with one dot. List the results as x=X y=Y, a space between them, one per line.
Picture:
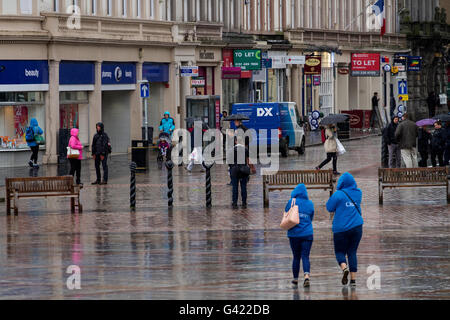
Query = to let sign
x=247 y=59
x=365 y=64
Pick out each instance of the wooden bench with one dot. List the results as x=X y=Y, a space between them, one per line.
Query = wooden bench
x=288 y=180
x=411 y=177
x=42 y=187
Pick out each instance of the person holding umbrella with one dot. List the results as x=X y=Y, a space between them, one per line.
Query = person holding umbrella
x=438 y=144
x=330 y=146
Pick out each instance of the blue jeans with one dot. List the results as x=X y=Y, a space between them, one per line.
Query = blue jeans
x=346 y=244
x=301 y=247
x=235 y=182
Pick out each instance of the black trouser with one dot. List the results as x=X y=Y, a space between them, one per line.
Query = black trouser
x=423 y=163
x=440 y=156
x=330 y=156
x=104 y=163
x=34 y=154
x=373 y=116
x=75 y=168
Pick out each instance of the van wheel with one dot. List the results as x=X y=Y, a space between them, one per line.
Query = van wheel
x=284 y=149
x=301 y=149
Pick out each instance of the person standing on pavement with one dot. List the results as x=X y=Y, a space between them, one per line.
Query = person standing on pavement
x=347 y=225
x=31 y=132
x=330 y=146
x=424 y=146
x=438 y=144
x=238 y=159
x=406 y=135
x=101 y=147
x=224 y=125
x=394 y=150
x=301 y=236
x=75 y=164
x=374 y=115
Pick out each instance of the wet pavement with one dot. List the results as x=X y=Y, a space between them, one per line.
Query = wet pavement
x=193 y=253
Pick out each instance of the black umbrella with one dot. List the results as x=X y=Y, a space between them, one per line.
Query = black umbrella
x=442 y=117
x=334 y=118
x=237 y=117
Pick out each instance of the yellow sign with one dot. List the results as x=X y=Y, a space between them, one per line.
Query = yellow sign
x=403 y=97
x=394 y=70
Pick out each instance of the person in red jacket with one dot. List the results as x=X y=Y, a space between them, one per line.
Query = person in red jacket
x=75 y=164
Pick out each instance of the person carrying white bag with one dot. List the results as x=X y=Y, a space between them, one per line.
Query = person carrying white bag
x=333 y=147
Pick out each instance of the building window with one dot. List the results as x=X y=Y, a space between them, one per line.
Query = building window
x=151 y=9
x=124 y=8
x=137 y=8
x=26 y=6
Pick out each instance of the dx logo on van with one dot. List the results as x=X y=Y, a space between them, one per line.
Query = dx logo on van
x=264 y=112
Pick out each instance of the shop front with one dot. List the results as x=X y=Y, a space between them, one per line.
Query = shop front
x=118 y=86
x=23 y=84
x=157 y=74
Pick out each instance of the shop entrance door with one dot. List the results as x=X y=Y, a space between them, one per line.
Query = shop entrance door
x=116 y=118
x=326 y=91
x=206 y=108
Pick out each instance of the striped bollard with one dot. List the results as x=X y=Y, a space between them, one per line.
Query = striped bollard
x=133 y=167
x=169 y=166
x=208 y=184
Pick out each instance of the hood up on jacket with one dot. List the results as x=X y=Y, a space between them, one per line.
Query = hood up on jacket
x=74 y=132
x=33 y=122
x=300 y=192
x=168 y=113
x=346 y=181
x=102 y=127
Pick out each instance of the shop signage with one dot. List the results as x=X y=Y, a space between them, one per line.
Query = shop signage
x=155 y=72
x=343 y=71
x=414 y=63
x=118 y=73
x=76 y=73
x=356 y=118
x=278 y=62
x=313 y=65
x=365 y=64
x=26 y=72
x=205 y=55
x=198 y=82
x=231 y=73
x=189 y=71
x=247 y=59
x=400 y=63
x=294 y=60
x=267 y=63
x=316 y=80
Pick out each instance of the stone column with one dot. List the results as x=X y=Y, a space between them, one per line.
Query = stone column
x=52 y=114
x=136 y=111
x=95 y=103
x=296 y=89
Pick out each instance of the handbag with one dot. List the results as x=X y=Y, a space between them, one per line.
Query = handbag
x=244 y=170
x=73 y=153
x=39 y=140
x=290 y=218
x=340 y=148
x=354 y=203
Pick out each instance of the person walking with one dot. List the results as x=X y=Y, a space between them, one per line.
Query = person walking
x=75 y=164
x=438 y=144
x=406 y=135
x=424 y=146
x=395 y=160
x=374 y=115
x=301 y=236
x=347 y=225
x=330 y=146
x=238 y=159
x=224 y=125
x=101 y=147
x=167 y=124
x=32 y=131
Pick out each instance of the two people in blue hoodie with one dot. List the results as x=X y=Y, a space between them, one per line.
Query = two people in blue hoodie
x=347 y=228
x=347 y=225
x=32 y=131
x=301 y=236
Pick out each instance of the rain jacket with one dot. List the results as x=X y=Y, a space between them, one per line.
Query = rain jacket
x=75 y=143
x=36 y=129
x=167 y=125
x=346 y=215
x=438 y=140
x=406 y=134
x=100 y=141
x=306 y=213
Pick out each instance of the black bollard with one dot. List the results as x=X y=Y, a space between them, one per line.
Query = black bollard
x=133 y=186
x=384 y=150
x=208 y=184
x=169 y=166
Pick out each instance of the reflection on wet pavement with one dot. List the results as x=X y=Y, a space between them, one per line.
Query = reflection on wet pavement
x=193 y=253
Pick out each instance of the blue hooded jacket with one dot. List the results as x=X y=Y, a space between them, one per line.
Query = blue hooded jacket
x=306 y=213
x=36 y=129
x=346 y=215
x=167 y=125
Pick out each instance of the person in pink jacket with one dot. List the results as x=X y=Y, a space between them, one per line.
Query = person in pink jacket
x=75 y=164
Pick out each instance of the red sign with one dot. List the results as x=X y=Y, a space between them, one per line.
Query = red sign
x=20 y=121
x=231 y=73
x=217 y=114
x=356 y=118
x=227 y=55
x=366 y=64
x=313 y=65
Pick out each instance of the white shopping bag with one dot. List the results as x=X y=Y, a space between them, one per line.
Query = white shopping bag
x=340 y=148
x=196 y=155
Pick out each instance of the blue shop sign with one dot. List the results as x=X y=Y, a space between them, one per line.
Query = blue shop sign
x=118 y=73
x=23 y=72
x=76 y=73
x=155 y=72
